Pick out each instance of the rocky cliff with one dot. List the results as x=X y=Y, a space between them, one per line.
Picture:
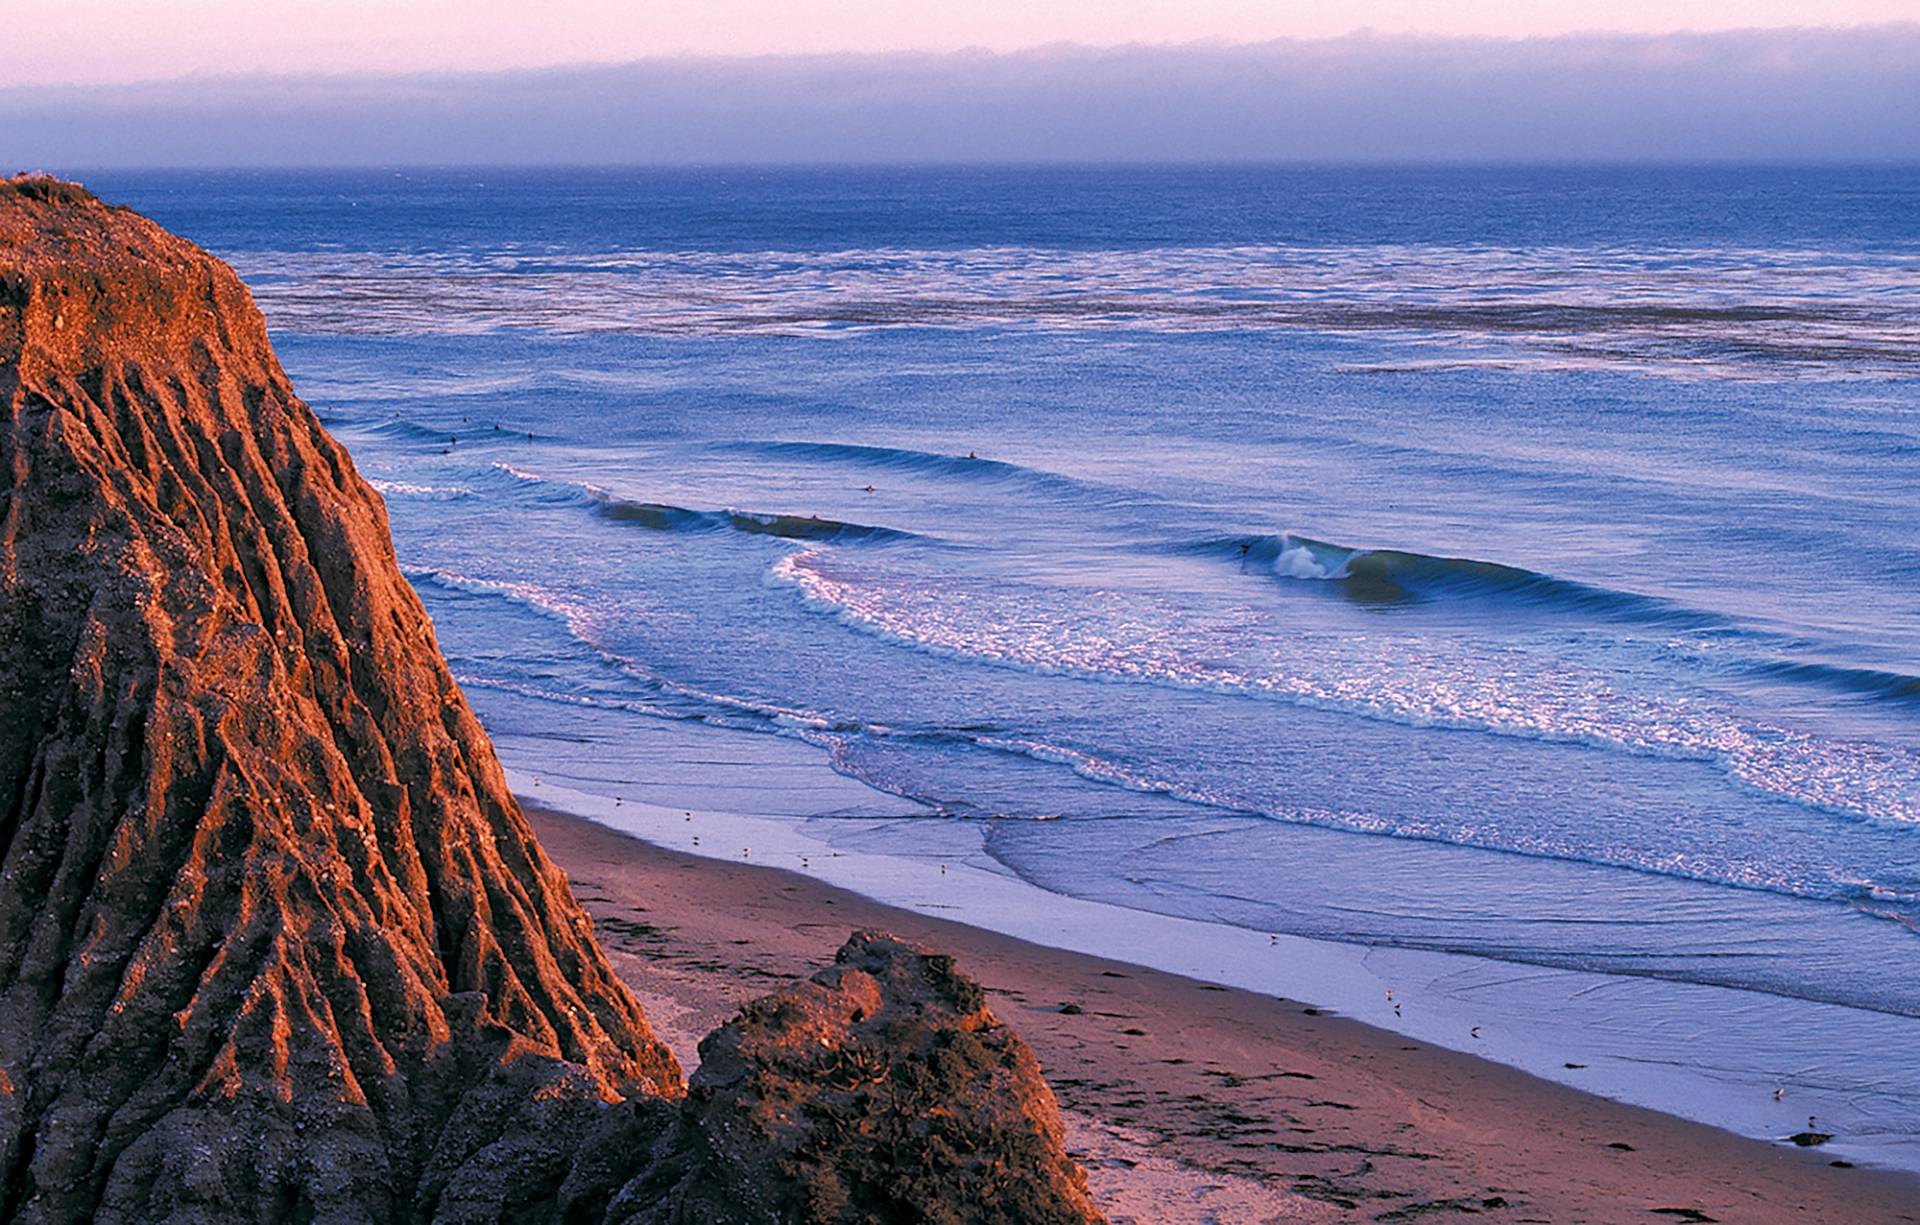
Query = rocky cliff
x=275 y=941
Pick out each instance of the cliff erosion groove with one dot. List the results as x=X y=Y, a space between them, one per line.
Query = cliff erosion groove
x=275 y=940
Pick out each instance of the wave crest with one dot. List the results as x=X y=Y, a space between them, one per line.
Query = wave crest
x=661 y=517
x=1396 y=576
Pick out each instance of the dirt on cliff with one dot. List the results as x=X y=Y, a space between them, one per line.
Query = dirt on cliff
x=276 y=943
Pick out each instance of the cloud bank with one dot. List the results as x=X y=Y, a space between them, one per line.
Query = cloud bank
x=1770 y=95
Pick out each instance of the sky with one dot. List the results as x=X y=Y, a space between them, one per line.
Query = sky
x=119 y=41
x=355 y=82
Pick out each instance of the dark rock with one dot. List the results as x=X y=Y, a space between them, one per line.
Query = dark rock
x=882 y=1090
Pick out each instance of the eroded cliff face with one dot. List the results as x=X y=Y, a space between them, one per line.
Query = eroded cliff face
x=275 y=941
x=270 y=921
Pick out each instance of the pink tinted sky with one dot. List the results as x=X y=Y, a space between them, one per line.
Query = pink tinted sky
x=101 y=41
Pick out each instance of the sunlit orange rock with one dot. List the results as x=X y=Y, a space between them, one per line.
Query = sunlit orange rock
x=276 y=943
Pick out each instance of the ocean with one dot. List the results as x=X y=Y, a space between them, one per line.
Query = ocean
x=1508 y=576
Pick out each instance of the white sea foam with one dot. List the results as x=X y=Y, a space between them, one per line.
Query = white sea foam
x=410 y=489
x=1680 y=312
x=1503 y=689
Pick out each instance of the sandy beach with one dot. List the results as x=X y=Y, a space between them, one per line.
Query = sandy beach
x=1220 y=694
x=1188 y=1101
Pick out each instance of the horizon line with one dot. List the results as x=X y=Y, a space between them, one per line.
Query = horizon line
x=77 y=173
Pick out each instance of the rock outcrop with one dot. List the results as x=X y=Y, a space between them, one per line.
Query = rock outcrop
x=276 y=943
x=881 y=1090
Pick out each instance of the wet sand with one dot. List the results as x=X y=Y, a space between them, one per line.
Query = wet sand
x=1188 y=1101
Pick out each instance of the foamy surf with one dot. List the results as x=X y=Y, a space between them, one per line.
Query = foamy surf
x=1530 y=571
x=1508 y=692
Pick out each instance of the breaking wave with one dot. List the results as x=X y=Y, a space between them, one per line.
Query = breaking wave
x=1395 y=577
x=1500 y=691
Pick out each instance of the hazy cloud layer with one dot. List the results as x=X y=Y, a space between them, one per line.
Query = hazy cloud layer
x=1781 y=95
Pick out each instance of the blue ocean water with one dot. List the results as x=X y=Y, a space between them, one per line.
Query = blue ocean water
x=1521 y=563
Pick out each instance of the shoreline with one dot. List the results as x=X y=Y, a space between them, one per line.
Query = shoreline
x=1729 y=1059
x=1188 y=1099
